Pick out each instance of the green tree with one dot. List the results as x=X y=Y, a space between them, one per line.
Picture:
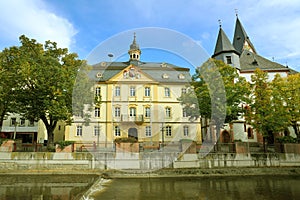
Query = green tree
x=280 y=116
x=8 y=82
x=292 y=98
x=46 y=78
x=218 y=94
x=268 y=113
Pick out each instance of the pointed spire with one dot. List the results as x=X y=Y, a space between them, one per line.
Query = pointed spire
x=134 y=45
x=223 y=43
x=241 y=40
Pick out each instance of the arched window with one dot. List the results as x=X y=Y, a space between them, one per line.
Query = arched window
x=250 y=132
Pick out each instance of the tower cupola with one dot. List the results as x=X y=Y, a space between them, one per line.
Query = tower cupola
x=134 y=51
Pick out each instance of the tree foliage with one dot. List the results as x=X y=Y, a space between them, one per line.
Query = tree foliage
x=292 y=98
x=218 y=93
x=45 y=75
x=273 y=104
x=8 y=82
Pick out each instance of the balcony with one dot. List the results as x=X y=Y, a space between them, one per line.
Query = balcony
x=138 y=119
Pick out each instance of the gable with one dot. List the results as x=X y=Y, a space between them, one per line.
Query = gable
x=130 y=74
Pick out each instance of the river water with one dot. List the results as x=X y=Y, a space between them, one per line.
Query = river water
x=205 y=188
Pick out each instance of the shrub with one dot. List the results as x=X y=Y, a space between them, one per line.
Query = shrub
x=286 y=139
x=63 y=144
x=125 y=139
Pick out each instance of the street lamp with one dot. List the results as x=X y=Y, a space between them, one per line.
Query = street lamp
x=162 y=135
x=15 y=132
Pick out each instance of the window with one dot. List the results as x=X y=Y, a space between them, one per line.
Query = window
x=228 y=60
x=117 y=112
x=96 y=130
x=250 y=133
x=117 y=131
x=79 y=130
x=97 y=112
x=31 y=122
x=13 y=121
x=147 y=112
x=183 y=90
x=167 y=92
x=186 y=131
x=148 y=131
x=132 y=112
x=147 y=91
x=168 y=131
x=132 y=91
x=168 y=112
x=117 y=91
x=98 y=91
x=22 y=122
x=184 y=113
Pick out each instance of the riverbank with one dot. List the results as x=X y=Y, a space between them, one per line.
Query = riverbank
x=166 y=173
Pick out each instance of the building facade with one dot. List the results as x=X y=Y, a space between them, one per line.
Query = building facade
x=138 y=100
x=242 y=55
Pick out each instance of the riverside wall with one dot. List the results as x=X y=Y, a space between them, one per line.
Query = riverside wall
x=141 y=161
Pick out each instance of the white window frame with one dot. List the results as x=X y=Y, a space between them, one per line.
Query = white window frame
x=184 y=113
x=186 y=130
x=117 y=91
x=97 y=112
x=117 y=131
x=96 y=130
x=132 y=91
x=79 y=131
x=98 y=91
x=147 y=112
x=132 y=112
x=167 y=92
x=148 y=131
x=117 y=112
x=168 y=131
x=147 y=91
x=168 y=112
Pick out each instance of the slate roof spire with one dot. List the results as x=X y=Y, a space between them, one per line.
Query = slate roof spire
x=223 y=43
x=241 y=40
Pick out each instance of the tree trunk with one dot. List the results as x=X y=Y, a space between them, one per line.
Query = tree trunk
x=264 y=144
x=295 y=127
x=1 y=120
x=50 y=126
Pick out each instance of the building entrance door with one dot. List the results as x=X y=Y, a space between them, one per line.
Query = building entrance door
x=132 y=132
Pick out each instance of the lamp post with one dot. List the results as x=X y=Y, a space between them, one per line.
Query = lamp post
x=162 y=135
x=15 y=131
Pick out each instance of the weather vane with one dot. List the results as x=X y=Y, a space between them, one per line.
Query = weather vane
x=220 y=23
x=236 y=12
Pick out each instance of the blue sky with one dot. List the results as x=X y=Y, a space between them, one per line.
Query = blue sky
x=81 y=25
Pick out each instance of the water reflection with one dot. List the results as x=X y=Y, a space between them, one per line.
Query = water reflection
x=42 y=187
x=203 y=188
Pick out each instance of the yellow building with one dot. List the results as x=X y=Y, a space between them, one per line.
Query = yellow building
x=140 y=100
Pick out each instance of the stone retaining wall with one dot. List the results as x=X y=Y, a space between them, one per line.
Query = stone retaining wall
x=140 y=161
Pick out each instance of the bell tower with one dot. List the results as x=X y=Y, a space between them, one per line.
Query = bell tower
x=134 y=51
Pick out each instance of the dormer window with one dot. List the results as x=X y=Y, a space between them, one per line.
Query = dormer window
x=165 y=76
x=181 y=76
x=228 y=60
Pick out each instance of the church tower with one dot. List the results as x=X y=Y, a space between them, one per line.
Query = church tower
x=134 y=51
x=225 y=51
x=241 y=40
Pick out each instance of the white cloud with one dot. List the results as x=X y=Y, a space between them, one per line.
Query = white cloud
x=32 y=19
